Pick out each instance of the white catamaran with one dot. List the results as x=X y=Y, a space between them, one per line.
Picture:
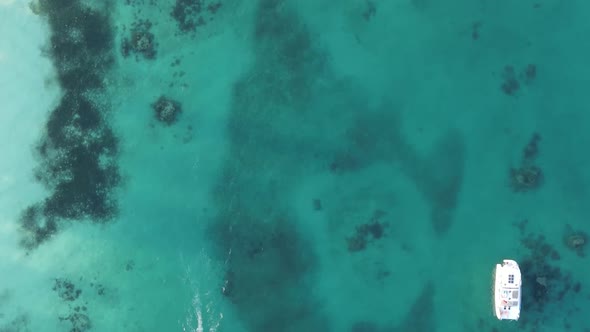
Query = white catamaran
x=507 y=290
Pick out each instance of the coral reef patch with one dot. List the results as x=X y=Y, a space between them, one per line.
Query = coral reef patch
x=368 y=232
x=141 y=42
x=191 y=14
x=166 y=110
x=527 y=176
x=548 y=284
x=77 y=156
x=513 y=80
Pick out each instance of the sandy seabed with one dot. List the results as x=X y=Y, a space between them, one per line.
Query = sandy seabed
x=333 y=166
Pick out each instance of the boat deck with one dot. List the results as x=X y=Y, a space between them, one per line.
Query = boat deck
x=507 y=293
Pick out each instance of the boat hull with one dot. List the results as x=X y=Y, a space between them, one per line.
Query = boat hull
x=507 y=290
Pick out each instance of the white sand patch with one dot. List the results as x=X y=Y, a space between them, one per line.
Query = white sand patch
x=6 y=2
x=26 y=101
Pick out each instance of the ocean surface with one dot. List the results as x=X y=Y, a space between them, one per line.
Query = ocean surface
x=305 y=165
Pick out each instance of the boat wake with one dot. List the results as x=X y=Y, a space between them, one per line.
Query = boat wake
x=202 y=317
x=205 y=313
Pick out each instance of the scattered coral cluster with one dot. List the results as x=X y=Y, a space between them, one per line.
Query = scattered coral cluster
x=77 y=316
x=374 y=229
x=190 y=14
x=166 y=110
x=66 y=290
x=512 y=80
x=528 y=176
x=79 y=322
x=575 y=240
x=546 y=283
x=141 y=42
x=20 y=323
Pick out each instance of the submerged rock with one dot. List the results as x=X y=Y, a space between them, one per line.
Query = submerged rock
x=525 y=178
x=167 y=110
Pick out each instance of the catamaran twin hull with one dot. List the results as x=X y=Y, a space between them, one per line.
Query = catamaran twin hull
x=507 y=290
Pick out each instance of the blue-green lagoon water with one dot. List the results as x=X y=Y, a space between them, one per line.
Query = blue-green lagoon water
x=271 y=165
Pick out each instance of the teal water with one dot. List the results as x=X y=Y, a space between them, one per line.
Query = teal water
x=311 y=166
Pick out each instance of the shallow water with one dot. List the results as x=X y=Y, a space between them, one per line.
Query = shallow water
x=291 y=165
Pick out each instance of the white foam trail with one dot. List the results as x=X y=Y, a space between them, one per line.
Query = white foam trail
x=208 y=319
x=205 y=313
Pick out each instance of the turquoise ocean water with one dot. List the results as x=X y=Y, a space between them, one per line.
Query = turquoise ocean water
x=312 y=165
